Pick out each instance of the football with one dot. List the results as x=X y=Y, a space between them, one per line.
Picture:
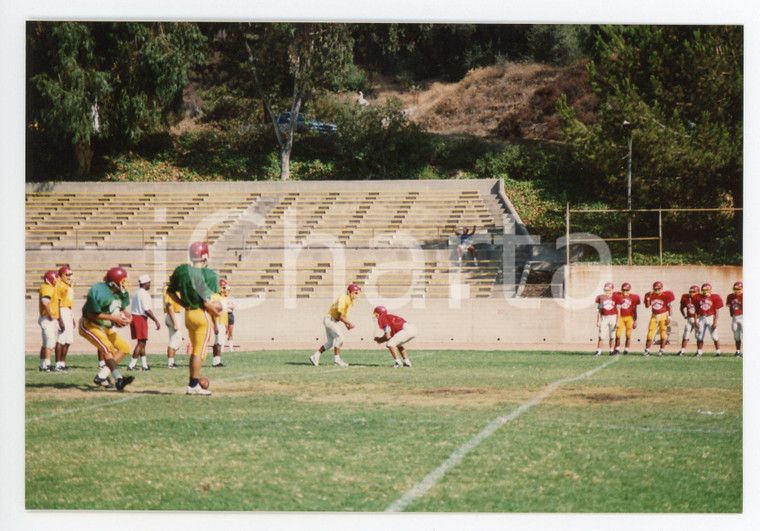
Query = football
x=204 y=382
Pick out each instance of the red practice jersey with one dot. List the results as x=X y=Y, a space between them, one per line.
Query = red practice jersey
x=394 y=322
x=660 y=303
x=606 y=305
x=688 y=303
x=707 y=304
x=735 y=303
x=627 y=304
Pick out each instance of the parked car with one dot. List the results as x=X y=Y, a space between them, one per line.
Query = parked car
x=304 y=125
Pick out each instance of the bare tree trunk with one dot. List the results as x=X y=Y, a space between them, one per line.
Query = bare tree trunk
x=84 y=154
x=285 y=163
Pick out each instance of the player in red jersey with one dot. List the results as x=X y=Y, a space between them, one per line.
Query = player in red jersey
x=735 y=305
x=606 y=318
x=626 y=303
x=689 y=312
x=397 y=332
x=708 y=304
x=660 y=301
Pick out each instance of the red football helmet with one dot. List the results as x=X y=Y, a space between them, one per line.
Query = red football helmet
x=380 y=310
x=609 y=286
x=65 y=270
x=626 y=286
x=353 y=288
x=738 y=286
x=222 y=285
x=694 y=289
x=198 y=251
x=117 y=278
x=51 y=277
x=706 y=287
x=657 y=285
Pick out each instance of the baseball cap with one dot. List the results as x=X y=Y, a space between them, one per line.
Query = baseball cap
x=144 y=279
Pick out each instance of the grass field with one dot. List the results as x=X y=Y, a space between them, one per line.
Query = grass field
x=537 y=432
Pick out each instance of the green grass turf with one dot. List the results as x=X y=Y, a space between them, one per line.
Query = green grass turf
x=642 y=435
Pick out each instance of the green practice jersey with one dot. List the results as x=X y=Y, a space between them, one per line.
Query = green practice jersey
x=100 y=299
x=193 y=285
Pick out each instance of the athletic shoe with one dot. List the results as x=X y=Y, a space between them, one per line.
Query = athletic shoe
x=717 y=354
x=314 y=360
x=131 y=368
x=738 y=355
x=645 y=353
x=220 y=364
x=124 y=381
x=407 y=363
x=63 y=368
x=340 y=363
x=55 y=369
x=146 y=368
x=625 y=352
x=197 y=390
x=45 y=369
x=659 y=354
x=698 y=355
x=597 y=353
x=397 y=365
x=680 y=353
x=104 y=382
x=172 y=366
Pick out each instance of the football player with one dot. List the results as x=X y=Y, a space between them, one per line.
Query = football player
x=49 y=319
x=65 y=290
x=192 y=285
x=221 y=298
x=660 y=301
x=689 y=312
x=338 y=313
x=735 y=307
x=142 y=310
x=626 y=303
x=106 y=307
x=606 y=319
x=708 y=304
x=397 y=332
x=172 y=310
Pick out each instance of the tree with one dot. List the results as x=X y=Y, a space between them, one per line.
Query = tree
x=299 y=59
x=109 y=81
x=682 y=89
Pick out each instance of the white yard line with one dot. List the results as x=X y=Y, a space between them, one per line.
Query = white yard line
x=432 y=479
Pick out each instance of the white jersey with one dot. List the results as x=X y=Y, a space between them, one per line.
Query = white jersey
x=142 y=302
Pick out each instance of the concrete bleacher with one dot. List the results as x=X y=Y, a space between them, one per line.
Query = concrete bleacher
x=95 y=226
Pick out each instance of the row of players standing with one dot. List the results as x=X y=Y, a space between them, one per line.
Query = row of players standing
x=617 y=313
x=107 y=307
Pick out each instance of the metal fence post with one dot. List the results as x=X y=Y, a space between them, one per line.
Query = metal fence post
x=659 y=216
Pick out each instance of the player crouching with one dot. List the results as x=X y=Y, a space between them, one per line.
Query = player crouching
x=105 y=308
x=338 y=313
x=397 y=332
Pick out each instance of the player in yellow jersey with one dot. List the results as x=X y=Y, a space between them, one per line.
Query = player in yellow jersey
x=65 y=290
x=223 y=320
x=172 y=310
x=49 y=319
x=338 y=314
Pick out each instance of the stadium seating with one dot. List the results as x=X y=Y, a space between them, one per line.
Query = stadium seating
x=249 y=228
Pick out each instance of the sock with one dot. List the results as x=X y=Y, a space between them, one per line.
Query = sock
x=317 y=354
x=217 y=360
x=699 y=351
x=132 y=363
x=337 y=357
x=717 y=352
x=193 y=382
x=230 y=345
x=104 y=372
x=43 y=363
x=144 y=360
x=116 y=374
x=101 y=364
x=170 y=362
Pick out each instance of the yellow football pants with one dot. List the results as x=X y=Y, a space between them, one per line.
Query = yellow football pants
x=658 y=321
x=104 y=339
x=199 y=329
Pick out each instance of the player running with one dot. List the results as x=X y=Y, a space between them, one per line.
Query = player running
x=396 y=332
x=338 y=314
x=708 y=304
x=689 y=312
x=626 y=303
x=192 y=286
x=106 y=307
x=660 y=301
x=49 y=319
x=735 y=305
x=65 y=291
x=606 y=318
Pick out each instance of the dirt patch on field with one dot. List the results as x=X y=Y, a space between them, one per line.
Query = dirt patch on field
x=683 y=397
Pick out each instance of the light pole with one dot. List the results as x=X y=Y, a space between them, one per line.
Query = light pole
x=628 y=125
